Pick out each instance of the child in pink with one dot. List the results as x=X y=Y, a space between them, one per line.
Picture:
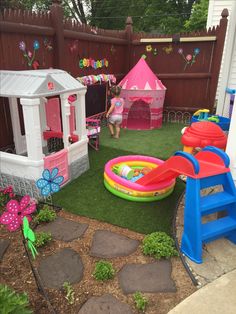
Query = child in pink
x=114 y=114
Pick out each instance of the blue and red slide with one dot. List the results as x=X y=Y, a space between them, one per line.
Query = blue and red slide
x=208 y=162
x=207 y=169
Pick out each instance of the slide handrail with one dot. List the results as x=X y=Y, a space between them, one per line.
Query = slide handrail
x=218 y=152
x=190 y=158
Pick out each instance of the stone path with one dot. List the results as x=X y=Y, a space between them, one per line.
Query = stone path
x=105 y=304
x=107 y=244
x=3 y=247
x=64 y=229
x=66 y=265
x=154 y=277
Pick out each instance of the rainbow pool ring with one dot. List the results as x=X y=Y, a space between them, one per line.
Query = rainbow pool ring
x=133 y=191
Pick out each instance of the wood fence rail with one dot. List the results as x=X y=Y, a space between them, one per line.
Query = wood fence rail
x=188 y=63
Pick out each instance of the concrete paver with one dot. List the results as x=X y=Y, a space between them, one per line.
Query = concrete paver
x=217 y=297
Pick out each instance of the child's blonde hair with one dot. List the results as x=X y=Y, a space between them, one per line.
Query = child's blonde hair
x=116 y=90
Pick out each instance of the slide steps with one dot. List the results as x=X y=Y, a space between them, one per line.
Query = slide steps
x=197 y=206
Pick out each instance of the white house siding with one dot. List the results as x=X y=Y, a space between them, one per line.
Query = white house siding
x=214 y=15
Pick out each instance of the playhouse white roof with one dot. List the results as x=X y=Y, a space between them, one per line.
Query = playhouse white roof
x=37 y=83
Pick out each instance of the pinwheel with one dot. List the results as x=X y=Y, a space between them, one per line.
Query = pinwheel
x=50 y=182
x=29 y=237
x=15 y=213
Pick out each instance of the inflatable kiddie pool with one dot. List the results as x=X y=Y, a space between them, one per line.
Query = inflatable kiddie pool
x=128 y=188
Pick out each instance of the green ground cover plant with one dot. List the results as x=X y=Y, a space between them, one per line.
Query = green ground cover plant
x=42 y=238
x=69 y=291
x=46 y=214
x=12 y=302
x=103 y=271
x=140 y=301
x=159 y=245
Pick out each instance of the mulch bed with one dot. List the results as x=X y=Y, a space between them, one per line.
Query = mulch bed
x=16 y=272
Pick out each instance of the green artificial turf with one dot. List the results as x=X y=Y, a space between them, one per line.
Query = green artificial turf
x=88 y=197
x=159 y=143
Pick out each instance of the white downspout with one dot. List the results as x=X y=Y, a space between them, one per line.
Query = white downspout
x=231 y=143
x=227 y=60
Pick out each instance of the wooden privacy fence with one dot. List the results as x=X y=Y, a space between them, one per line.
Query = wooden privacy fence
x=187 y=64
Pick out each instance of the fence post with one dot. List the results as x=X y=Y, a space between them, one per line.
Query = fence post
x=57 y=22
x=217 y=57
x=129 y=35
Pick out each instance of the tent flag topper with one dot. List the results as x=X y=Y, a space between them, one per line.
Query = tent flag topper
x=50 y=182
x=29 y=237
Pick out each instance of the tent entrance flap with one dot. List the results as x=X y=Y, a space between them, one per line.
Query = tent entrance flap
x=139 y=117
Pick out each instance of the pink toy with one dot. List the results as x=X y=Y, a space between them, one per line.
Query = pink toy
x=202 y=134
x=15 y=213
x=144 y=96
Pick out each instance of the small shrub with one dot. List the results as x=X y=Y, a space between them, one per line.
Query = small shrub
x=158 y=245
x=42 y=238
x=12 y=302
x=46 y=214
x=6 y=195
x=103 y=271
x=70 y=294
x=140 y=301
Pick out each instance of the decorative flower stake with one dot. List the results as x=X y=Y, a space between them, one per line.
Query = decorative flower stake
x=27 y=53
x=189 y=59
x=15 y=213
x=150 y=49
x=50 y=182
x=29 y=237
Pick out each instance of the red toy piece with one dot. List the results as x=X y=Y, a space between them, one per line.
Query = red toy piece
x=202 y=134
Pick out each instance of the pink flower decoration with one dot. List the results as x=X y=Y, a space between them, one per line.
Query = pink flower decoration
x=22 y=45
x=180 y=51
x=189 y=57
x=13 y=216
x=29 y=54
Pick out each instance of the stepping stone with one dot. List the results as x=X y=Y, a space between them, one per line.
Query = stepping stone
x=154 y=277
x=65 y=265
x=4 y=243
x=64 y=229
x=108 y=244
x=105 y=304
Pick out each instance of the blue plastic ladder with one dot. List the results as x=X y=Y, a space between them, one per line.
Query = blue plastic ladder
x=197 y=233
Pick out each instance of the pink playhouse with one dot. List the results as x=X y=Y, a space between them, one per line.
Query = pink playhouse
x=144 y=96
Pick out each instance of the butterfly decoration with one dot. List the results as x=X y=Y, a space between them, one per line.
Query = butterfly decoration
x=29 y=237
x=74 y=46
x=168 y=49
x=47 y=44
x=50 y=182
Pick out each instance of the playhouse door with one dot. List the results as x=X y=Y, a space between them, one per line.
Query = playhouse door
x=139 y=116
x=59 y=160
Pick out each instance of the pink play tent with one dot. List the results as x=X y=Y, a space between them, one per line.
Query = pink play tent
x=144 y=96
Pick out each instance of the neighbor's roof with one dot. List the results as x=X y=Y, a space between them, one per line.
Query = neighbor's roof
x=141 y=77
x=37 y=83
